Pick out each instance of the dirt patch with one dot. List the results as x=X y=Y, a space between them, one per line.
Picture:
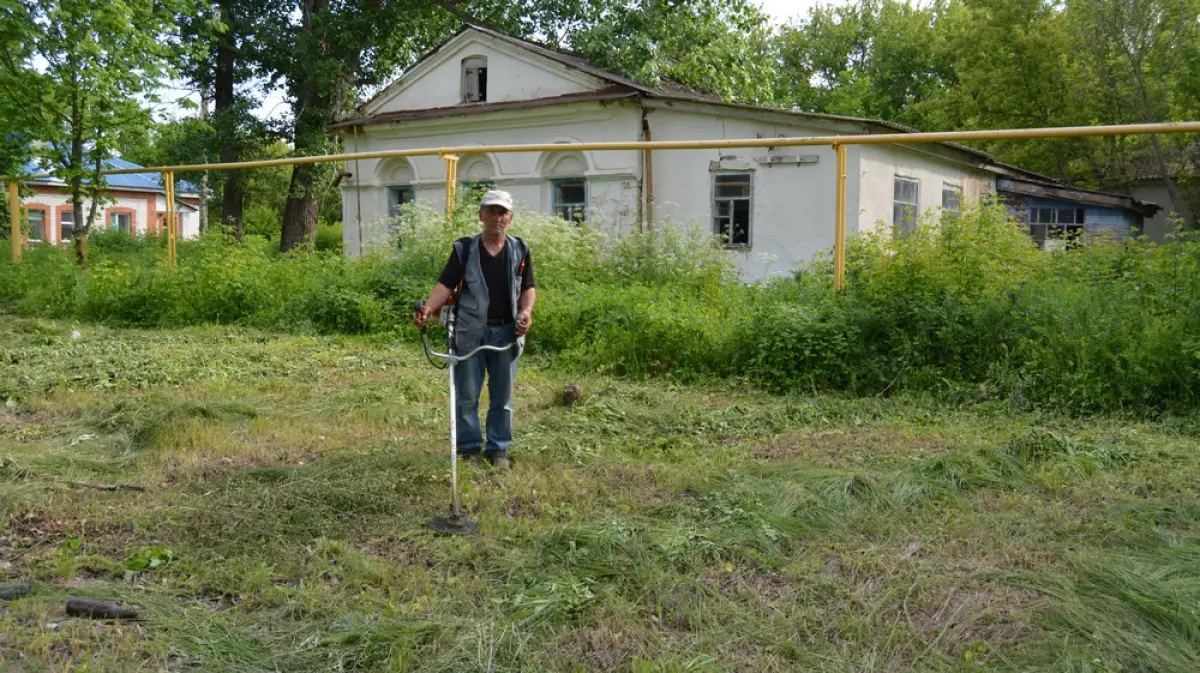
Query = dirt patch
x=853 y=446
x=599 y=647
x=974 y=619
x=754 y=585
x=399 y=551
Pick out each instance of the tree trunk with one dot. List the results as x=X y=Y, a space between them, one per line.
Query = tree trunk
x=300 y=214
x=203 y=175
x=227 y=124
x=81 y=250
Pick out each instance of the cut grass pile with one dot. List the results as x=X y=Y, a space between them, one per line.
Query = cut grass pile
x=651 y=527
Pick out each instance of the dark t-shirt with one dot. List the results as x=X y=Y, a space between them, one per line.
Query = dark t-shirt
x=495 y=274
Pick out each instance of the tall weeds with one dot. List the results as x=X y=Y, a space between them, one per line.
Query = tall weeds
x=965 y=307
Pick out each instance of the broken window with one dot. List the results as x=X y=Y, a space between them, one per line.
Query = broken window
x=1056 y=228
x=570 y=199
x=475 y=72
x=732 y=194
x=906 y=204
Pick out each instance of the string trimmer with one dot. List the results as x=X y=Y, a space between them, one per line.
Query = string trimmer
x=456 y=523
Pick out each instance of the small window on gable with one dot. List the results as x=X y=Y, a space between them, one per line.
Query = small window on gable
x=474 y=83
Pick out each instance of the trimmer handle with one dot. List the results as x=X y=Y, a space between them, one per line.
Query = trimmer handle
x=417 y=306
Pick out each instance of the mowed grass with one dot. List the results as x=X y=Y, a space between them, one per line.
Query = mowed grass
x=650 y=527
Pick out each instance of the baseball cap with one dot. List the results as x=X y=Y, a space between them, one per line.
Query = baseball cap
x=495 y=197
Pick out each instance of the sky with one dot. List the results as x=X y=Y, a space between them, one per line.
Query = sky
x=781 y=11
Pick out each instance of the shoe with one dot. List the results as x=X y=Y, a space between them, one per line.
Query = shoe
x=499 y=461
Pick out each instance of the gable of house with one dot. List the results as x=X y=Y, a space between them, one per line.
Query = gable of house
x=477 y=67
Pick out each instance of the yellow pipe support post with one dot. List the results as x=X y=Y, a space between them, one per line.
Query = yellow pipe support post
x=451 y=185
x=169 y=184
x=839 y=227
x=14 y=214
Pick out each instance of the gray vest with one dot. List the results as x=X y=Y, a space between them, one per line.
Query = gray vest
x=471 y=308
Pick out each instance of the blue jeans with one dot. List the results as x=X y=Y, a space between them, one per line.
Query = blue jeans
x=501 y=369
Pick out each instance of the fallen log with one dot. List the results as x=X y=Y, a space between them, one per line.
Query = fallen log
x=86 y=607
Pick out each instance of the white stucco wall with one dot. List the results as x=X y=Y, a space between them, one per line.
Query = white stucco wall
x=613 y=177
x=793 y=206
x=880 y=165
x=512 y=75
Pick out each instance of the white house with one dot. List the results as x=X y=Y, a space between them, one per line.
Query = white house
x=135 y=203
x=775 y=205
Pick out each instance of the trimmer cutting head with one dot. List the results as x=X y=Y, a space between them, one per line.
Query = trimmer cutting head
x=453 y=525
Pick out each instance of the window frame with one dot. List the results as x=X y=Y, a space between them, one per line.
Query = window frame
x=1067 y=232
x=902 y=227
x=393 y=209
x=120 y=213
x=30 y=209
x=474 y=79
x=955 y=189
x=714 y=201
x=573 y=208
x=66 y=211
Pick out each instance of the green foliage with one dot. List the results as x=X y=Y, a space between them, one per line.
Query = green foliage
x=980 y=64
x=150 y=558
x=721 y=47
x=964 y=308
x=80 y=70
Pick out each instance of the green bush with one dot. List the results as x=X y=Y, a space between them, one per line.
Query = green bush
x=966 y=308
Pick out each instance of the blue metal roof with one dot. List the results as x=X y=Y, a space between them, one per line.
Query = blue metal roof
x=143 y=181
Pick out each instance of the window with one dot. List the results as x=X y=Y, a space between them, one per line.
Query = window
x=37 y=225
x=398 y=197
x=66 y=219
x=952 y=198
x=119 y=222
x=472 y=190
x=906 y=204
x=474 y=87
x=1056 y=228
x=731 y=207
x=570 y=199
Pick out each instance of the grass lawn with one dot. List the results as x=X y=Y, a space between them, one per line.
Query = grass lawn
x=653 y=526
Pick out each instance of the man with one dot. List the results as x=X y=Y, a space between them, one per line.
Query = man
x=492 y=279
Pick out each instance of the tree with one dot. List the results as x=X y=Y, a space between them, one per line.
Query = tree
x=721 y=47
x=99 y=58
x=1143 y=54
x=222 y=63
x=874 y=58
